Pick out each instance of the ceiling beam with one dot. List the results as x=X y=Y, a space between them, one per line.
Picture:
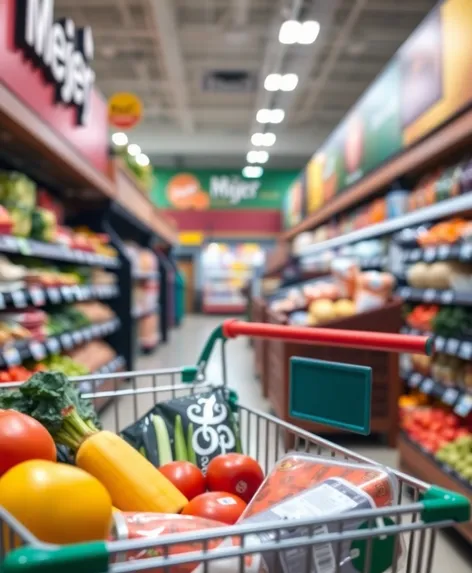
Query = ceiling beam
x=336 y=50
x=165 y=23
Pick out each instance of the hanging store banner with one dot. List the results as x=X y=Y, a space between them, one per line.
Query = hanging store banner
x=424 y=85
x=205 y=190
x=125 y=110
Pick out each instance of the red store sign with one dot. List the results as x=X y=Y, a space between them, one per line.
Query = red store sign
x=47 y=66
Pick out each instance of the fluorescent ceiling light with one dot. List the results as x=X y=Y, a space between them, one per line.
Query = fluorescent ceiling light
x=256 y=156
x=289 y=32
x=289 y=82
x=272 y=82
x=263 y=139
x=252 y=171
x=270 y=115
x=134 y=149
x=142 y=160
x=309 y=32
x=276 y=82
x=293 y=32
x=119 y=138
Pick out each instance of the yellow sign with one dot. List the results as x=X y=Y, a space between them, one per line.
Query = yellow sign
x=191 y=238
x=125 y=110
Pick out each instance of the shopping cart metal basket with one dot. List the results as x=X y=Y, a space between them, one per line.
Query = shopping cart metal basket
x=396 y=538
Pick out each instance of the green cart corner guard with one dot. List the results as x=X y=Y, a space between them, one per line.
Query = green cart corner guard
x=444 y=505
x=89 y=557
x=331 y=393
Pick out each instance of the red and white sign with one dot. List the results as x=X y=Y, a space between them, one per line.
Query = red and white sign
x=35 y=88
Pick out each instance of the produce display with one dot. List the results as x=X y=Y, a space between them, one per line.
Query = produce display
x=446 y=321
x=432 y=427
x=445 y=369
x=347 y=292
x=440 y=275
x=457 y=454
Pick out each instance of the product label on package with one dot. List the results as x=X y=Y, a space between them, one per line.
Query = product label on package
x=335 y=496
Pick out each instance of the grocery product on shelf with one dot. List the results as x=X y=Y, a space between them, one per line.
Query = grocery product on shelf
x=457 y=454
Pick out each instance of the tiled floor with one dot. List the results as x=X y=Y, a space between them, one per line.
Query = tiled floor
x=450 y=556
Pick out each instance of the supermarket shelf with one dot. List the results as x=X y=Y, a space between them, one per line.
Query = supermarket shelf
x=35 y=350
x=31 y=248
x=435 y=296
x=418 y=158
x=438 y=211
x=462 y=252
x=115 y=365
x=414 y=460
x=447 y=345
x=39 y=296
x=459 y=399
x=140 y=313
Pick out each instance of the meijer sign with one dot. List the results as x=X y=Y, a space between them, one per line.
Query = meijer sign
x=62 y=51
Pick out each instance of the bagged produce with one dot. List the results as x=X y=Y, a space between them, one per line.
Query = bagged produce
x=155 y=526
x=196 y=428
x=295 y=473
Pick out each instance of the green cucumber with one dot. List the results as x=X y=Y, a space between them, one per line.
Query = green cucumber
x=191 y=452
x=163 y=441
x=179 y=440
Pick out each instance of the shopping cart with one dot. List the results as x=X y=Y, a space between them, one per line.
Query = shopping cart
x=396 y=538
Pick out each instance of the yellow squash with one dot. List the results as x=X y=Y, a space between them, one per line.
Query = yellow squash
x=132 y=481
x=58 y=503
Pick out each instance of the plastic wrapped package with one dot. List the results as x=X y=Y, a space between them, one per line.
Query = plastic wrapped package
x=304 y=487
x=155 y=526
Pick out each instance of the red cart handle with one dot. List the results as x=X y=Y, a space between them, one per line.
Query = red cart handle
x=329 y=336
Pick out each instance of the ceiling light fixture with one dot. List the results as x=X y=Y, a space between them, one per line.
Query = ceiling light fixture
x=134 y=149
x=276 y=82
x=270 y=115
x=293 y=32
x=142 y=159
x=119 y=138
x=256 y=156
x=252 y=171
x=263 y=139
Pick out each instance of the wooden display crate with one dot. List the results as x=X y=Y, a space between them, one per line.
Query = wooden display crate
x=386 y=387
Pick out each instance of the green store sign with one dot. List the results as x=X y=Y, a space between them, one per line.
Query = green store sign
x=205 y=190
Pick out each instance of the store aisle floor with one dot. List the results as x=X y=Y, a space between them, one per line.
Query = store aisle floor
x=183 y=349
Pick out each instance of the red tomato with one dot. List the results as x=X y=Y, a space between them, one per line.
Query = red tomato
x=22 y=438
x=216 y=505
x=186 y=477
x=236 y=473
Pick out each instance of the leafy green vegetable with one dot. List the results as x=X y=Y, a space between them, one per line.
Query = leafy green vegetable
x=52 y=400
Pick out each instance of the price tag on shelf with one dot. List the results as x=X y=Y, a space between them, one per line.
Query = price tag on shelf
x=439 y=343
x=77 y=292
x=67 y=293
x=87 y=332
x=19 y=298
x=54 y=295
x=53 y=345
x=414 y=380
x=77 y=337
x=24 y=247
x=463 y=406
x=427 y=386
x=452 y=346
x=450 y=396
x=66 y=340
x=429 y=254
x=37 y=350
x=447 y=296
x=465 y=351
x=405 y=292
x=11 y=356
x=415 y=255
x=429 y=295
x=444 y=252
x=465 y=252
x=37 y=296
